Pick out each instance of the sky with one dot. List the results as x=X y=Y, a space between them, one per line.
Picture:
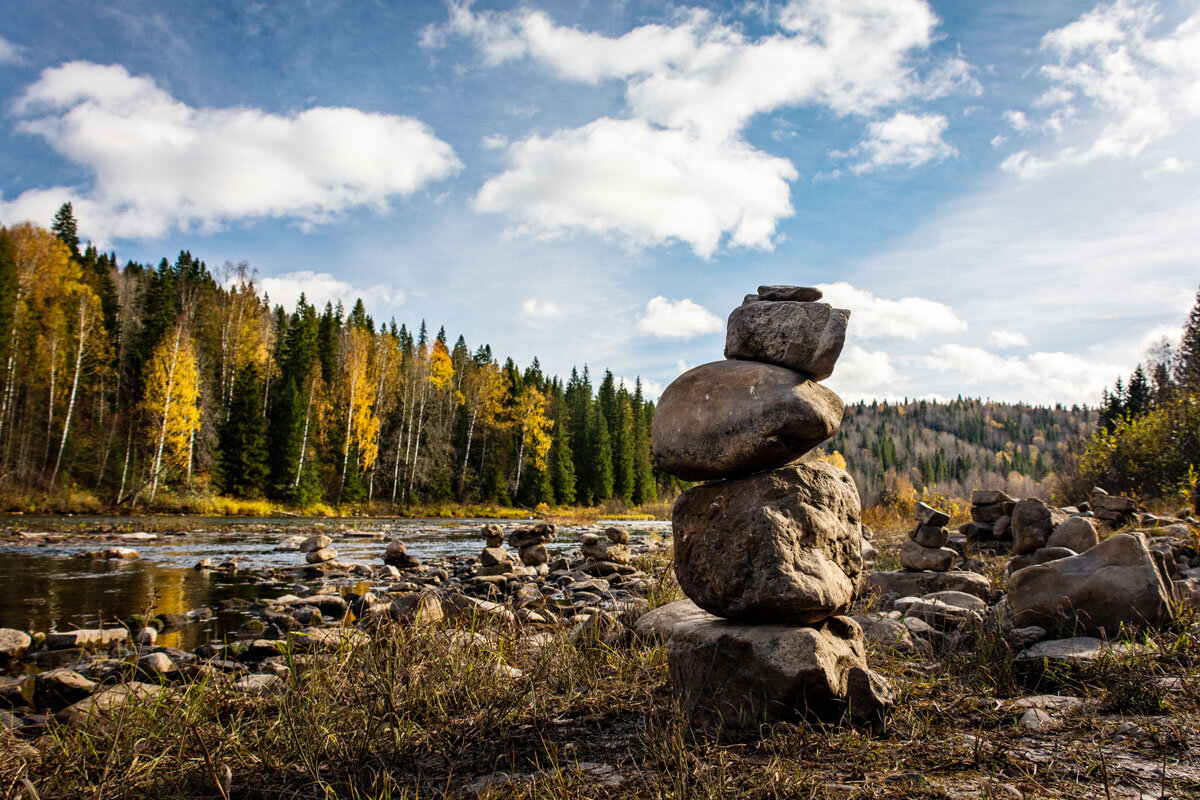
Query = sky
x=1005 y=195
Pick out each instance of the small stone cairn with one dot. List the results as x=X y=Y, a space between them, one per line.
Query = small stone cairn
x=770 y=548
x=530 y=544
x=925 y=548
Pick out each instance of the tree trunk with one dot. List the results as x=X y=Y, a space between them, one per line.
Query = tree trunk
x=62 y=443
x=312 y=387
x=162 y=433
x=346 y=448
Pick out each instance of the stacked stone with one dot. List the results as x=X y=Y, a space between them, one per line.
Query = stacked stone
x=925 y=548
x=494 y=558
x=771 y=547
x=530 y=544
x=991 y=516
x=317 y=549
x=606 y=557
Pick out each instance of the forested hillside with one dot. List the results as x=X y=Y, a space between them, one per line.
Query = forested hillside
x=894 y=449
x=138 y=381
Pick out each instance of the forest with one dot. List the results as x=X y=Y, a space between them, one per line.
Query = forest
x=135 y=385
x=139 y=383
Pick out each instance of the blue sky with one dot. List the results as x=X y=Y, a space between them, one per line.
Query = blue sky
x=1004 y=194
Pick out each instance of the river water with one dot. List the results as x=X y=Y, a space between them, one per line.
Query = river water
x=43 y=588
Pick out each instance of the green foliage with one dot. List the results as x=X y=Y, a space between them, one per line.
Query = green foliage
x=242 y=443
x=1153 y=455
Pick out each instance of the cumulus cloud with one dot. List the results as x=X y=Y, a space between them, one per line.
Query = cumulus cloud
x=691 y=87
x=1116 y=70
x=678 y=319
x=863 y=374
x=905 y=140
x=645 y=184
x=1007 y=339
x=1168 y=166
x=161 y=165
x=908 y=318
x=9 y=52
x=1037 y=378
x=320 y=288
x=534 y=309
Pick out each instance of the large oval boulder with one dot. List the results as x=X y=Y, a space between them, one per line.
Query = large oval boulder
x=778 y=546
x=744 y=675
x=1114 y=584
x=730 y=418
x=806 y=337
x=1032 y=522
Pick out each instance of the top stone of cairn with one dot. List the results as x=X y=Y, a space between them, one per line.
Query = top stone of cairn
x=803 y=336
x=796 y=294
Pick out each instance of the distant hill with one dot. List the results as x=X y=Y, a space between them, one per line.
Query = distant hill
x=956 y=446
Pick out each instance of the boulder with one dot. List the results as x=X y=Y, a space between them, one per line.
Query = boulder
x=1032 y=522
x=491 y=556
x=58 y=688
x=617 y=535
x=805 y=337
x=494 y=534
x=1114 y=584
x=726 y=419
x=86 y=637
x=784 y=545
x=928 y=515
x=990 y=513
x=312 y=543
x=422 y=608
x=914 y=556
x=904 y=583
x=397 y=556
x=538 y=534
x=984 y=497
x=1114 y=504
x=13 y=643
x=1076 y=533
x=534 y=555
x=795 y=294
x=930 y=536
x=596 y=550
x=321 y=556
x=108 y=701
x=659 y=623
x=743 y=675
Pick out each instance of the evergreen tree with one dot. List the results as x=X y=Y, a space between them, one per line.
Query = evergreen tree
x=1187 y=373
x=600 y=465
x=1138 y=395
x=66 y=229
x=561 y=458
x=242 y=443
x=623 y=448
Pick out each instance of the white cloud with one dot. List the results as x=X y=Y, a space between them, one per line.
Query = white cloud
x=903 y=140
x=644 y=184
x=874 y=317
x=999 y=139
x=1167 y=166
x=10 y=53
x=534 y=309
x=678 y=319
x=678 y=169
x=161 y=165
x=1038 y=378
x=863 y=374
x=1017 y=119
x=651 y=390
x=320 y=288
x=1007 y=339
x=1114 y=73
x=494 y=142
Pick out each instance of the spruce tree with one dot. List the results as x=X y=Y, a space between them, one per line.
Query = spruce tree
x=644 y=489
x=600 y=444
x=242 y=441
x=66 y=229
x=560 y=458
x=1187 y=373
x=1138 y=394
x=623 y=448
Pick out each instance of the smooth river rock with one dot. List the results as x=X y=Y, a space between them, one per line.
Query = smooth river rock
x=904 y=583
x=1032 y=522
x=914 y=556
x=726 y=419
x=778 y=546
x=1077 y=533
x=806 y=337
x=13 y=643
x=1114 y=584
x=743 y=675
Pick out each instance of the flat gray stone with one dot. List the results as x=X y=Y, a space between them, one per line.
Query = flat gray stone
x=806 y=337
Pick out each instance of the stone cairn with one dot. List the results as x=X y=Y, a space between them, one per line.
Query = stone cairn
x=925 y=548
x=770 y=548
x=530 y=544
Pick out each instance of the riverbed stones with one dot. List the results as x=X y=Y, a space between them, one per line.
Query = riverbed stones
x=593 y=548
x=805 y=337
x=915 y=557
x=314 y=543
x=617 y=535
x=534 y=555
x=493 y=534
x=930 y=536
x=13 y=643
x=396 y=555
x=491 y=556
x=729 y=418
x=904 y=583
x=779 y=546
x=926 y=548
x=56 y=689
x=86 y=637
x=1115 y=584
x=320 y=555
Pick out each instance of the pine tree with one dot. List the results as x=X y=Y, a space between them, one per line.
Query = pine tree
x=644 y=488
x=562 y=463
x=623 y=448
x=1138 y=395
x=601 y=463
x=1187 y=373
x=242 y=442
x=66 y=229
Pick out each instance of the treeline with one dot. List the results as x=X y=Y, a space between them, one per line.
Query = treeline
x=137 y=380
x=895 y=450
x=1148 y=441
